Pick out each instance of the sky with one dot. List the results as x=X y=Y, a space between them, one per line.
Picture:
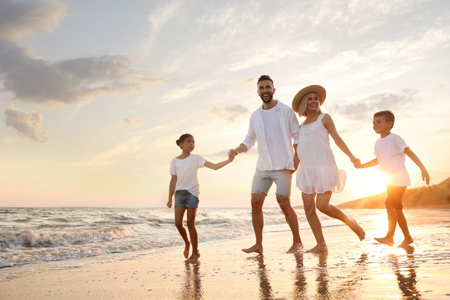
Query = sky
x=94 y=94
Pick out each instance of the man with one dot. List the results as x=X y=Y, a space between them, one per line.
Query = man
x=273 y=126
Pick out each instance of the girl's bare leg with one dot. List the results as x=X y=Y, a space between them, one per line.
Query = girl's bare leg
x=179 y=215
x=191 y=214
x=310 y=210
x=323 y=204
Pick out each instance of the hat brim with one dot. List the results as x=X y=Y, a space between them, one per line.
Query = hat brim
x=317 y=89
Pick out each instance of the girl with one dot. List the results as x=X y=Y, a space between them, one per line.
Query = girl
x=184 y=184
x=318 y=176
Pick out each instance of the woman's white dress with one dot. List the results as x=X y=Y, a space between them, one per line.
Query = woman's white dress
x=318 y=172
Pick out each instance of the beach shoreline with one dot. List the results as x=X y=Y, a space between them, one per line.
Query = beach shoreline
x=350 y=270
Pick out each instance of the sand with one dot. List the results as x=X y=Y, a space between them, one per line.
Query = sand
x=350 y=270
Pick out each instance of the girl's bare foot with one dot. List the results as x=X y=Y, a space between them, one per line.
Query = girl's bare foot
x=255 y=248
x=319 y=248
x=186 y=250
x=358 y=230
x=408 y=240
x=296 y=247
x=194 y=258
x=385 y=240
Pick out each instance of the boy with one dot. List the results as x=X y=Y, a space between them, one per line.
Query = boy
x=390 y=152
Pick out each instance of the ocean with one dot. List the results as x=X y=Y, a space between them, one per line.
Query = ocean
x=39 y=235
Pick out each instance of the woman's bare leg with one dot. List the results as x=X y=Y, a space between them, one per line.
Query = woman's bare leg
x=323 y=204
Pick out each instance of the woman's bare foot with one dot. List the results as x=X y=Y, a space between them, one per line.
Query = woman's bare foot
x=256 y=248
x=408 y=240
x=186 y=250
x=194 y=258
x=319 y=248
x=358 y=230
x=385 y=240
x=296 y=247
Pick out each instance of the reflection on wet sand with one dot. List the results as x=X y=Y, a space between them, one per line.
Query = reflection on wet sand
x=265 y=289
x=192 y=288
x=300 y=284
x=404 y=268
x=322 y=276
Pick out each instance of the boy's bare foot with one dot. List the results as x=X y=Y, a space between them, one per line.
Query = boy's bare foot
x=194 y=258
x=296 y=247
x=406 y=242
x=358 y=230
x=385 y=240
x=256 y=248
x=186 y=250
x=319 y=248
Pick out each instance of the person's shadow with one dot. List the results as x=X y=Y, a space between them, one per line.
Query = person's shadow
x=192 y=288
x=265 y=289
x=404 y=268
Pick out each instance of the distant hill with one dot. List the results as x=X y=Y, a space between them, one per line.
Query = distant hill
x=435 y=196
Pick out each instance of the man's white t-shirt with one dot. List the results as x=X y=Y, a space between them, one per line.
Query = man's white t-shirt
x=390 y=152
x=186 y=172
x=274 y=138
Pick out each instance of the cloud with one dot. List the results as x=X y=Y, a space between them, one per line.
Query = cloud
x=365 y=108
x=230 y=112
x=36 y=80
x=21 y=18
x=26 y=124
x=131 y=122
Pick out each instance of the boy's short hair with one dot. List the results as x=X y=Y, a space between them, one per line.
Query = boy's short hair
x=387 y=115
x=264 y=77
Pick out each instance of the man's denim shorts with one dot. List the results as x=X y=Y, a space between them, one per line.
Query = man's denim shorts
x=262 y=181
x=185 y=199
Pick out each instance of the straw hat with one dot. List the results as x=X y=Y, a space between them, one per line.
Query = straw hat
x=317 y=89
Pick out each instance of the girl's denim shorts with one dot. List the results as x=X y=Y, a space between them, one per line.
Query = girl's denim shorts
x=185 y=199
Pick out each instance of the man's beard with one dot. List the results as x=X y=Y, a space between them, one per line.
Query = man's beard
x=267 y=101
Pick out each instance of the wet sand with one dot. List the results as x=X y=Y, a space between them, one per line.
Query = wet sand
x=350 y=270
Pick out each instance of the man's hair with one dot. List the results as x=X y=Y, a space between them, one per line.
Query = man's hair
x=264 y=77
x=387 y=115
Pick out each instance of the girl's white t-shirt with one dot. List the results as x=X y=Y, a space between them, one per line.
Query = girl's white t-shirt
x=390 y=152
x=186 y=172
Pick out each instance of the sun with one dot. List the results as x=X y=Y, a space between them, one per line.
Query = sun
x=371 y=183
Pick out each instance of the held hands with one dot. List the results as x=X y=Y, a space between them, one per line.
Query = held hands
x=232 y=154
x=356 y=162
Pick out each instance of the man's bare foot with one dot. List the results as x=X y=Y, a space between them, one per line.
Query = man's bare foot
x=319 y=248
x=194 y=258
x=296 y=247
x=408 y=240
x=358 y=230
x=186 y=250
x=256 y=248
x=385 y=240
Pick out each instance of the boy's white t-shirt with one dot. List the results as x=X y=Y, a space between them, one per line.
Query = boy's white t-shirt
x=390 y=152
x=186 y=172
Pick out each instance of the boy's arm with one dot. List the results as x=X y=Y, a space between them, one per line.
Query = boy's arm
x=369 y=164
x=296 y=159
x=416 y=160
x=172 y=184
